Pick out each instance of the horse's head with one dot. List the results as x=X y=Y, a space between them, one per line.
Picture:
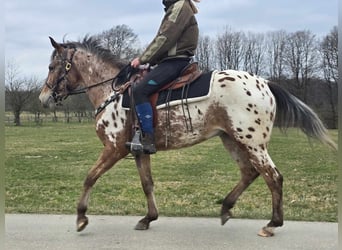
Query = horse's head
x=63 y=77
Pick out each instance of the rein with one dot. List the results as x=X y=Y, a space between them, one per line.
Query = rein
x=125 y=73
x=84 y=89
x=120 y=89
x=123 y=76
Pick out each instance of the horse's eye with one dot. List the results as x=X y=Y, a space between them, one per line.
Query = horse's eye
x=51 y=68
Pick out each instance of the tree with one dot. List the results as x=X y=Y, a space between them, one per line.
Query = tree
x=301 y=59
x=19 y=91
x=329 y=54
x=35 y=107
x=204 y=54
x=121 y=40
x=80 y=106
x=254 y=53
x=229 y=49
x=275 y=54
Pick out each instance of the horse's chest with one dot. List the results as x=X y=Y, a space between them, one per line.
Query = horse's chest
x=112 y=122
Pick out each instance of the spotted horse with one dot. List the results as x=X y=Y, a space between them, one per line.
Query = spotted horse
x=241 y=110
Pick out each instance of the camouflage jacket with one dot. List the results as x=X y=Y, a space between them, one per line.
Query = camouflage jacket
x=177 y=35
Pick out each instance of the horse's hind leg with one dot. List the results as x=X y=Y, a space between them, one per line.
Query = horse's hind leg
x=144 y=167
x=105 y=162
x=254 y=161
x=248 y=175
x=274 y=181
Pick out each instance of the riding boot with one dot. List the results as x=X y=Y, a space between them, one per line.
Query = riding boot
x=145 y=116
x=148 y=143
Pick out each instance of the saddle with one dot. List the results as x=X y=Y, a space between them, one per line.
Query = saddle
x=189 y=74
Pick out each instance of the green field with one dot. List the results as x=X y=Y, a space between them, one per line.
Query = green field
x=46 y=166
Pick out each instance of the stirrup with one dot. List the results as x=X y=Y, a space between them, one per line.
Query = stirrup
x=135 y=146
x=140 y=146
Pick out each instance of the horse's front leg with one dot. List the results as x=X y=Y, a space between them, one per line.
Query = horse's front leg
x=107 y=159
x=144 y=168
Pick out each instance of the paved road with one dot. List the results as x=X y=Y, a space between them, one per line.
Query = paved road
x=34 y=232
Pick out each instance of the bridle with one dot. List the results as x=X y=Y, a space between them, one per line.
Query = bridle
x=67 y=67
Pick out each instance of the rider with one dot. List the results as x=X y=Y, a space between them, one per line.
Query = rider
x=171 y=50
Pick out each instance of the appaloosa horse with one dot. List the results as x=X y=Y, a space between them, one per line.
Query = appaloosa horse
x=241 y=110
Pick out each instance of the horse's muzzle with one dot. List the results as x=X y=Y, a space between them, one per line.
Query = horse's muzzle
x=46 y=99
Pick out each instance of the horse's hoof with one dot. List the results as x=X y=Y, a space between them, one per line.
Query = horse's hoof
x=142 y=226
x=266 y=232
x=225 y=217
x=82 y=223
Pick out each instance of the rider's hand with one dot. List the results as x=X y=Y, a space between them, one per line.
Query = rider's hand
x=135 y=63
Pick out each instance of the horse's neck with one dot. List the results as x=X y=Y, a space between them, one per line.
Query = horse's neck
x=94 y=71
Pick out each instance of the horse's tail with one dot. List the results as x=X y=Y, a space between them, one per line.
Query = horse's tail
x=292 y=112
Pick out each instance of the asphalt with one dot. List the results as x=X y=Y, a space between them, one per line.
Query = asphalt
x=55 y=232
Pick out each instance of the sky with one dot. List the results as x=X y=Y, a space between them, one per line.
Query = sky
x=28 y=24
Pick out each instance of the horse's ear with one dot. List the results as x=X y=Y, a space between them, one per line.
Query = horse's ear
x=56 y=45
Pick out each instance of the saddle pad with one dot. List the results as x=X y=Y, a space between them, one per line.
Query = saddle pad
x=193 y=92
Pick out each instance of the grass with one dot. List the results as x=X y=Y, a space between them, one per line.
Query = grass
x=46 y=167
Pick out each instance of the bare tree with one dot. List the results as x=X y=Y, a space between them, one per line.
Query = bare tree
x=329 y=53
x=205 y=53
x=121 y=40
x=229 y=49
x=19 y=91
x=275 y=54
x=254 y=53
x=302 y=59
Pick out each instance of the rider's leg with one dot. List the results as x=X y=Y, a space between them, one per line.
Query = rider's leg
x=164 y=73
x=145 y=116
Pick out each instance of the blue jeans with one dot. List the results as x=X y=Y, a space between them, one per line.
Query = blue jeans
x=157 y=78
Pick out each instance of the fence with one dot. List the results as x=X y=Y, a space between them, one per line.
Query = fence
x=40 y=119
